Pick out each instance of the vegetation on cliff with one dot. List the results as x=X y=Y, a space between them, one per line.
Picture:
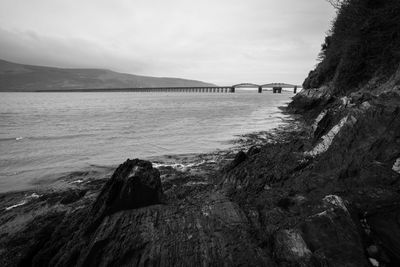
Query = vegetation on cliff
x=363 y=43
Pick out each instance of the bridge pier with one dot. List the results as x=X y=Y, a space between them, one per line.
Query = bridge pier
x=295 y=90
x=232 y=89
x=277 y=90
x=259 y=89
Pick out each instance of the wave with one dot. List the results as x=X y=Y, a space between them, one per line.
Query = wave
x=181 y=166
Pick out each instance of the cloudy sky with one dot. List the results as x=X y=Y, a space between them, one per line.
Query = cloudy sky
x=218 y=41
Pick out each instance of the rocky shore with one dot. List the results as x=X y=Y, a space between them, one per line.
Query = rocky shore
x=322 y=191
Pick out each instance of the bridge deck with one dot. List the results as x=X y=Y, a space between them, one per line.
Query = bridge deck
x=277 y=88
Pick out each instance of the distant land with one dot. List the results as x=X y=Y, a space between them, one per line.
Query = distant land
x=16 y=77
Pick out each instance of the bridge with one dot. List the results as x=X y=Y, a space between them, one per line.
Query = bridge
x=276 y=88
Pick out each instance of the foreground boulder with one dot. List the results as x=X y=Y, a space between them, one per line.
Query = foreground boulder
x=134 y=184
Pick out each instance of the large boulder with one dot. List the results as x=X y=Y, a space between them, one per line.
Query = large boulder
x=134 y=184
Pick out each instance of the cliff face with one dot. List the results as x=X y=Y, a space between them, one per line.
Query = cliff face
x=352 y=103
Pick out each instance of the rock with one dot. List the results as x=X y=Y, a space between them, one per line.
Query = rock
x=327 y=139
x=396 y=166
x=318 y=119
x=289 y=246
x=385 y=229
x=239 y=158
x=374 y=262
x=253 y=151
x=346 y=101
x=365 y=105
x=335 y=201
x=310 y=99
x=72 y=196
x=207 y=231
x=373 y=251
x=333 y=239
x=134 y=184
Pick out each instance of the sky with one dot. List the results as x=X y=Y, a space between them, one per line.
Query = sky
x=218 y=41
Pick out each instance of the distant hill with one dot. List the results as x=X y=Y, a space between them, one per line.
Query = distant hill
x=19 y=77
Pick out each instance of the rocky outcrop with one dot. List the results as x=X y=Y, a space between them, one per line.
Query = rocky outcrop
x=134 y=184
x=124 y=226
x=319 y=209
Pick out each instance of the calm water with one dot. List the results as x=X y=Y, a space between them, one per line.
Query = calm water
x=44 y=135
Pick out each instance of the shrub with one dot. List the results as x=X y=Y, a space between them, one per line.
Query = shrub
x=364 y=41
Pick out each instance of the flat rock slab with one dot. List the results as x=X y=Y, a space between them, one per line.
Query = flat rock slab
x=205 y=230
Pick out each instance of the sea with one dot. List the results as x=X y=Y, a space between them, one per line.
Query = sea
x=45 y=136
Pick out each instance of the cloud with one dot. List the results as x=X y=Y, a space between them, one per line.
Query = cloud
x=220 y=41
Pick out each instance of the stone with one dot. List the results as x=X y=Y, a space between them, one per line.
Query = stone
x=134 y=184
x=327 y=139
x=290 y=246
x=336 y=201
x=318 y=119
x=396 y=166
x=374 y=262
x=373 y=251
x=365 y=105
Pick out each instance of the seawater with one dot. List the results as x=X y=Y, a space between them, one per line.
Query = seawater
x=45 y=135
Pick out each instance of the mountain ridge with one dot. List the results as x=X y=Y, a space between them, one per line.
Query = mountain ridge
x=27 y=78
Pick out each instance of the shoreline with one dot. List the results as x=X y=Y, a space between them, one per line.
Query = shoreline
x=280 y=198
x=67 y=181
x=183 y=184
